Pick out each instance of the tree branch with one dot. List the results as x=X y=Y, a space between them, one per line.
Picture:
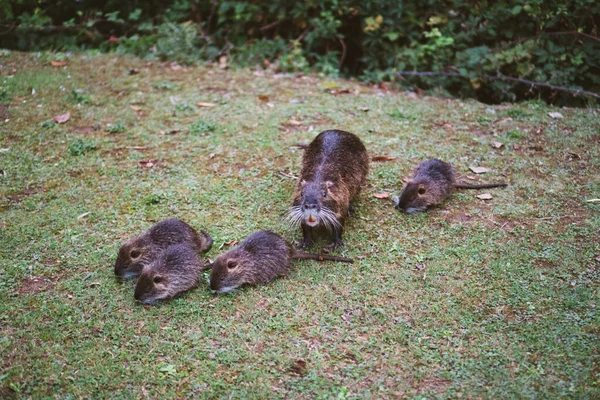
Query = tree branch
x=343 y=57
x=504 y=78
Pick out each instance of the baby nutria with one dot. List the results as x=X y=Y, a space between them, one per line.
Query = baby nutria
x=174 y=271
x=135 y=253
x=334 y=167
x=260 y=258
x=434 y=180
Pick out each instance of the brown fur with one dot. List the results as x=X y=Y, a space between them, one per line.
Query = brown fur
x=140 y=251
x=433 y=181
x=174 y=271
x=334 y=168
x=260 y=258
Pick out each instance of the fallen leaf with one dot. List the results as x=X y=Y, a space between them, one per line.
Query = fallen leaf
x=502 y=120
x=383 y=158
x=135 y=108
x=61 y=119
x=174 y=131
x=381 y=195
x=479 y=170
x=555 y=115
x=270 y=105
x=363 y=109
x=484 y=196
x=113 y=39
x=58 y=63
x=82 y=216
x=148 y=163
x=211 y=155
x=337 y=92
x=516 y=146
x=292 y=122
x=134 y=71
x=202 y=104
x=231 y=243
x=497 y=145
x=176 y=67
x=137 y=147
x=91 y=284
x=222 y=62
x=593 y=201
x=263 y=98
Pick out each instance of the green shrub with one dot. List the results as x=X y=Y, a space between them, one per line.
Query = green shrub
x=466 y=48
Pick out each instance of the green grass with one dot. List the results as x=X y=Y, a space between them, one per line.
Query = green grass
x=479 y=299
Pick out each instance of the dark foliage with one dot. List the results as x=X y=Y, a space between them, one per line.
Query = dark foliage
x=470 y=46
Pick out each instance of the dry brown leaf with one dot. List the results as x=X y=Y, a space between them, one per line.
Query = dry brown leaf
x=497 y=145
x=231 y=243
x=222 y=62
x=263 y=97
x=555 y=115
x=61 y=119
x=148 y=163
x=516 y=146
x=202 y=104
x=507 y=119
x=135 y=108
x=381 y=195
x=293 y=122
x=211 y=155
x=363 y=109
x=337 y=92
x=134 y=71
x=479 y=170
x=383 y=158
x=58 y=63
x=484 y=196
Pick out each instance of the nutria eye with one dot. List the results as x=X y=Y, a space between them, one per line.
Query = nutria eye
x=231 y=265
x=157 y=279
x=421 y=190
x=324 y=193
x=135 y=253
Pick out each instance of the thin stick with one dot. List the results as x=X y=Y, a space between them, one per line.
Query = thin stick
x=507 y=78
x=343 y=53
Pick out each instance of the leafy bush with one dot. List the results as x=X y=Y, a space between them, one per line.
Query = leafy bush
x=489 y=50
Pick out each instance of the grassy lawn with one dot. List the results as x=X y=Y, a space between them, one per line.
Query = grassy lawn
x=478 y=298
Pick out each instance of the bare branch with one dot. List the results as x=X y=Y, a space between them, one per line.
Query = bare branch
x=343 y=53
x=505 y=78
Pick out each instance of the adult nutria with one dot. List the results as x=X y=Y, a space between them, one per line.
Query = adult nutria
x=175 y=270
x=334 y=167
x=135 y=253
x=434 y=180
x=260 y=258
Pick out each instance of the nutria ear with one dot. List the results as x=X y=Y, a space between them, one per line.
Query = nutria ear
x=329 y=184
x=207 y=241
x=303 y=182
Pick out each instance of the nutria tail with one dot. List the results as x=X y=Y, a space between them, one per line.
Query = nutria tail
x=319 y=257
x=461 y=185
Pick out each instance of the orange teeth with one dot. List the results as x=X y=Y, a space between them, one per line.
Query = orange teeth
x=311 y=219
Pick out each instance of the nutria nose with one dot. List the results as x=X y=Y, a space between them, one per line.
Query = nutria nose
x=310 y=205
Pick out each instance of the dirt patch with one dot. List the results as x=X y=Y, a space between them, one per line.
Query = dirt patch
x=17 y=197
x=4 y=111
x=434 y=384
x=35 y=285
